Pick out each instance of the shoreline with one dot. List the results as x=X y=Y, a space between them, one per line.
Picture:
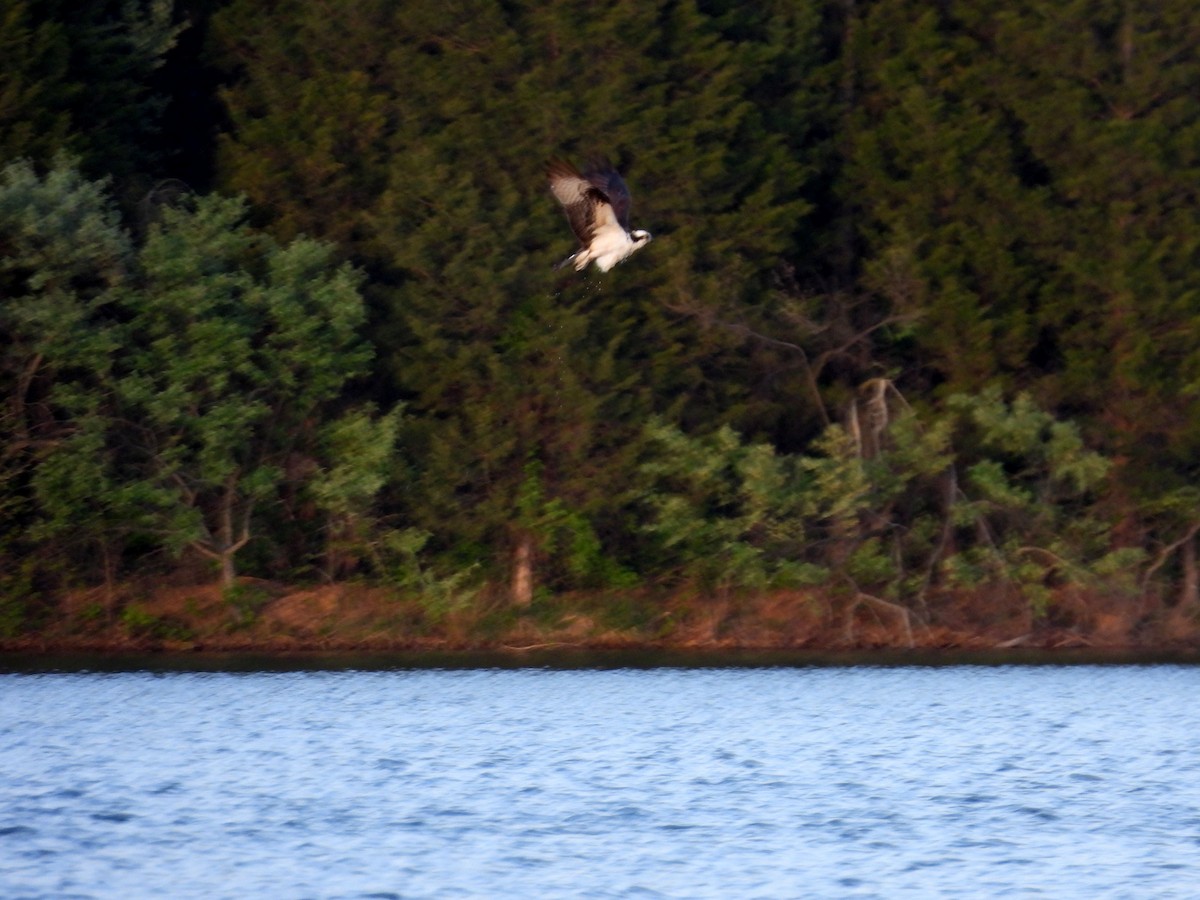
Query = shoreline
x=22 y=662
x=32 y=654
x=352 y=621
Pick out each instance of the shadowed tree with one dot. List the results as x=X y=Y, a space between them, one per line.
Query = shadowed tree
x=63 y=261
x=423 y=156
x=232 y=350
x=1029 y=184
x=82 y=78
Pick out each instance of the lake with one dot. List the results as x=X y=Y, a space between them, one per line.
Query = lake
x=776 y=782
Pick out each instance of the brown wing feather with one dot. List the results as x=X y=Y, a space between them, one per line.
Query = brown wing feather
x=602 y=176
x=579 y=197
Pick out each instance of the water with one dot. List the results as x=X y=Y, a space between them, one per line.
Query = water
x=820 y=782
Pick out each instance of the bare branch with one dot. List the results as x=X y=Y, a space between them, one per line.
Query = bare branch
x=1165 y=554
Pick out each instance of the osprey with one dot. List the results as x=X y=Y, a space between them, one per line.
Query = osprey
x=597 y=206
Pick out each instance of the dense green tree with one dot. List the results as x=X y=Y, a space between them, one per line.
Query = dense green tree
x=35 y=92
x=937 y=168
x=1029 y=183
x=726 y=514
x=313 y=112
x=989 y=496
x=1027 y=488
x=422 y=156
x=993 y=211
x=354 y=457
x=81 y=78
x=63 y=261
x=236 y=346
x=1111 y=119
x=232 y=349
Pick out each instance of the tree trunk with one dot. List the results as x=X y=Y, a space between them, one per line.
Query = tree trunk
x=225 y=548
x=522 y=575
x=1189 y=590
x=110 y=580
x=228 y=572
x=230 y=537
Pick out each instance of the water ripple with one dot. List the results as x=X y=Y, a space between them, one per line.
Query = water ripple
x=1057 y=782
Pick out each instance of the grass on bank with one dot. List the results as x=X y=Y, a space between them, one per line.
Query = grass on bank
x=264 y=615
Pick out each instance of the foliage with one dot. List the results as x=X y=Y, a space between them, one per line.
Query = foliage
x=989 y=493
x=993 y=214
x=1030 y=186
x=397 y=556
x=190 y=383
x=63 y=261
x=395 y=150
x=1028 y=490
x=139 y=622
x=82 y=78
x=233 y=346
x=726 y=514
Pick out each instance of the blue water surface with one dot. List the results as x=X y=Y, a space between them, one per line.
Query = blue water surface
x=960 y=781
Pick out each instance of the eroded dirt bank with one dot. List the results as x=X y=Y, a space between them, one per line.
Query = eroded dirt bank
x=262 y=617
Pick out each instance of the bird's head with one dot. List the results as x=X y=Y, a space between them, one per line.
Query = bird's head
x=640 y=237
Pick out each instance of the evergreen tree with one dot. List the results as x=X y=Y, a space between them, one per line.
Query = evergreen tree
x=948 y=202
x=989 y=496
x=1122 y=162
x=35 y=91
x=1112 y=121
x=423 y=156
x=82 y=79
x=63 y=261
x=1030 y=185
x=231 y=350
x=312 y=110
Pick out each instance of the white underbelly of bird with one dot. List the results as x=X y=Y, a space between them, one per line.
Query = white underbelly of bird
x=609 y=246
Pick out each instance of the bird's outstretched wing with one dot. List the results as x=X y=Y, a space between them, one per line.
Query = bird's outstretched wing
x=586 y=204
x=602 y=176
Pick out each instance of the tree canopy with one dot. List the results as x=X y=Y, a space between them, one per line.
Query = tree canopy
x=920 y=315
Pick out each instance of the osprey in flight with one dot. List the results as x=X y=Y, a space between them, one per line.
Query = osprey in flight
x=597 y=206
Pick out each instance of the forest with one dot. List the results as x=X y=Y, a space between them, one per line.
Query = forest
x=917 y=340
